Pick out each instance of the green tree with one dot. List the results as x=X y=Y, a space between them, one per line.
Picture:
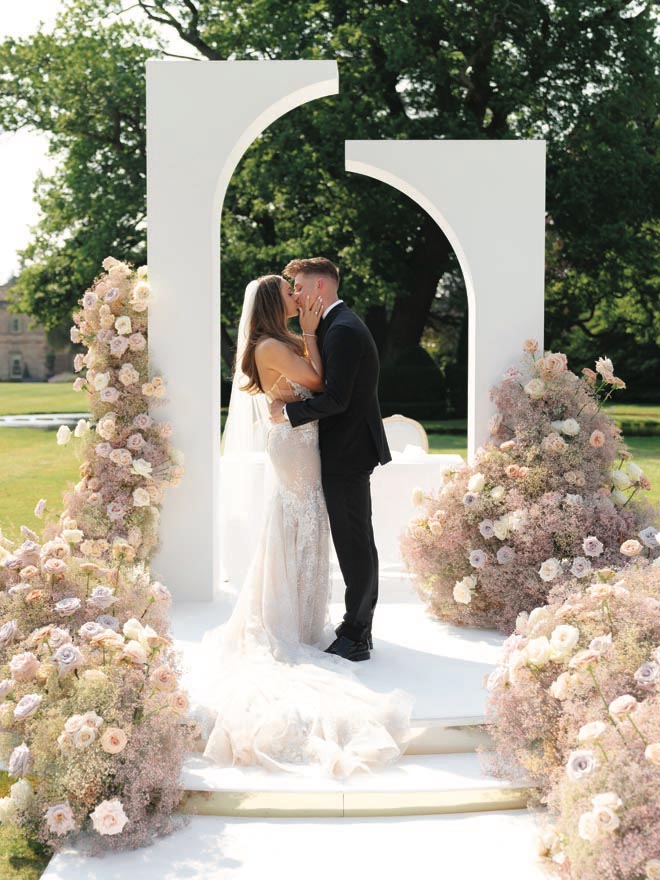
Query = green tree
x=578 y=73
x=85 y=89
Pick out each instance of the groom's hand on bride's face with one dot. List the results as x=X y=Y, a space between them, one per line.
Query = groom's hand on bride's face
x=276 y=414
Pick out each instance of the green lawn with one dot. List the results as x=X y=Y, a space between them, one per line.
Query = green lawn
x=18 y=859
x=19 y=398
x=32 y=466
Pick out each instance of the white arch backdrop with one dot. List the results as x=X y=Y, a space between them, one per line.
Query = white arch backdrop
x=487 y=196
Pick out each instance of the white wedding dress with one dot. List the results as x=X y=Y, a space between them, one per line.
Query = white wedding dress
x=277 y=699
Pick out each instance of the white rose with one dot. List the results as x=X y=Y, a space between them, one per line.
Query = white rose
x=73 y=536
x=652 y=754
x=135 y=652
x=8 y=811
x=133 y=629
x=27 y=706
x=476 y=482
x=538 y=651
x=559 y=688
x=109 y=817
x=141 y=467
x=82 y=428
x=85 y=736
x=462 y=592
x=537 y=617
x=562 y=640
x=607 y=799
x=535 y=388
x=141 y=497
x=606 y=819
x=618 y=497
x=60 y=819
x=123 y=325
x=501 y=527
x=497 y=493
x=73 y=723
x=101 y=381
x=549 y=569
x=652 y=869
x=63 y=435
x=588 y=827
x=634 y=471
x=622 y=706
x=591 y=731
x=22 y=794
x=570 y=427
x=620 y=480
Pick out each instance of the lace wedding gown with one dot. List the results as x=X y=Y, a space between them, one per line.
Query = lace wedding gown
x=279 y=701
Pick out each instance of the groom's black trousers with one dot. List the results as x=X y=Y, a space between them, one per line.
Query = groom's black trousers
x=348 y=499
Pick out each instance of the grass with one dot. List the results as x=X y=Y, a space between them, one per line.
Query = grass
x=21 y=398
x=19 y=859
x=32 y=466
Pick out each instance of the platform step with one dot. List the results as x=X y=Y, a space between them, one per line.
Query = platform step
x=499 y=846
x=435 y=737
x=415 y=785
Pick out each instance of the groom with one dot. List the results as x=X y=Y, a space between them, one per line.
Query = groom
x=352 y=442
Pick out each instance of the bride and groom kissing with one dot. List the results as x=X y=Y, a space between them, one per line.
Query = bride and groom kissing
x=284 y=691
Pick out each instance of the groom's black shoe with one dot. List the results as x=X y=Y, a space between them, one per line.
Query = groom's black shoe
x=369 y=639
x=349 y=649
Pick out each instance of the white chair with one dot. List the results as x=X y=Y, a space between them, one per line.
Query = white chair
x=402 y=431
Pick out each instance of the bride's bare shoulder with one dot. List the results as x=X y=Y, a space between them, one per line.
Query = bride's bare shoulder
x=266 y=347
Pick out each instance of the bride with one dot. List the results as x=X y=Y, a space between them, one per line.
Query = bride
x=278 y=700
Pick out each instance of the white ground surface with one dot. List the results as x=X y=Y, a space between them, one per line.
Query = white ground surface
x=467 y=846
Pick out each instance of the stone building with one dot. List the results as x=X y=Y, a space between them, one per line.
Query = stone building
x=25 y=353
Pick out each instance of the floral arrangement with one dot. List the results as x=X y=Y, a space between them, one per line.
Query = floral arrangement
x=574 y=708
x=553 y=494
x=93 y=723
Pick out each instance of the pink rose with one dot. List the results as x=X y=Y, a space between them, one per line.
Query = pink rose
x=109 y=817
x=23 y=667
x=118 y=344
x=54 y=566
x=110 y=395
x=113 y=740
x=631 y=547
x=552 y=364
x=597 y=439
x=59 y=818
x=623 y=706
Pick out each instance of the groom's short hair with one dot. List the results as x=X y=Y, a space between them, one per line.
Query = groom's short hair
x=312 y=266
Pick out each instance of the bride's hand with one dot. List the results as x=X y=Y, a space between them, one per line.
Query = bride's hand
x=310 y=315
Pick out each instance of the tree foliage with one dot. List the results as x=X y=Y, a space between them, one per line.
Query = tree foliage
x=580 y=74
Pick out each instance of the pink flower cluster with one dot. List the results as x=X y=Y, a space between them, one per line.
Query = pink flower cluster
x=93 y=721
x=574 y=708
x=552 y=495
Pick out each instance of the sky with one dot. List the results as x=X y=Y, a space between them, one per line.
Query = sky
x=23 y=153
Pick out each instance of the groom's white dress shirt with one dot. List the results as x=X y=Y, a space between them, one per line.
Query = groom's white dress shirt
x=324 y=315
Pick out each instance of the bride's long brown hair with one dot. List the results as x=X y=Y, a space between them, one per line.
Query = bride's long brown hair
x=268 y=320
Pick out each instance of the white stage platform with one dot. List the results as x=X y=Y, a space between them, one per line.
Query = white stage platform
x=499 y=846
x=442 y=666
x=433 y=813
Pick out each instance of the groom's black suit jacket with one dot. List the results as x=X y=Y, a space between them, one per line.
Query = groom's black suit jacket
x=351 y=432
